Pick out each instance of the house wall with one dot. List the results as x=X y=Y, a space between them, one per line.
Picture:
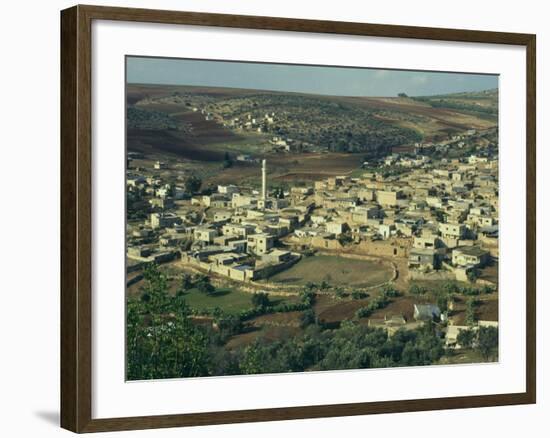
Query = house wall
x=430 y=276
x=387 y=248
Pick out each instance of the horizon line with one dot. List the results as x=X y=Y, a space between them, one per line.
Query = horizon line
x=307 y=93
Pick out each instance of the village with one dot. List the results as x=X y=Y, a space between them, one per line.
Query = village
x=436 y=220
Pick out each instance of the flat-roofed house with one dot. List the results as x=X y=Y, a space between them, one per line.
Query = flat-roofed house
x=164 y=220
x=361 y=215
x=277 y=256
x=260 y=243
x=227 y=258
x=388 y=198
x=228 y=189
x=203 y=234
x=470 y=256
x=237 y=230
x=452 y=230
x=336 y=228
x=426 y=242
x=422 y=258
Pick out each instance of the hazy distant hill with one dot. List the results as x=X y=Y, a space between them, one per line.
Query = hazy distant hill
x=205 y=117
x=484 y=104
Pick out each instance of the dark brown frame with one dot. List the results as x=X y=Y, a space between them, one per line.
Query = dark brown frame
x=76 y=174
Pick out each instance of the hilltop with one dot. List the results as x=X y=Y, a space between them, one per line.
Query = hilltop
x=204 y=122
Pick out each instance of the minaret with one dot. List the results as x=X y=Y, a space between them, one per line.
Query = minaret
x=264 y=181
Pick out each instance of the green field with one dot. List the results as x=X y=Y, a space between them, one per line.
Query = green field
x=229 y=300
x=335 y=271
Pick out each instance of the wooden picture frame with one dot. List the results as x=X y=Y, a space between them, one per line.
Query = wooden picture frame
x=76 y=218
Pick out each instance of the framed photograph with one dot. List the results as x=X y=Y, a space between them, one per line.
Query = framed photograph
x=269 y=218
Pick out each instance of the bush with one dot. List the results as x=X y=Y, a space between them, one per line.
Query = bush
x=378 y=303
x=487 y=342
x=391 y=292
x=363 y=312
x=473 y=275
x=260 y=299
x=358 y=295
x=308 y=318
x=414 y=289
x=205 y=287
x=466 y=338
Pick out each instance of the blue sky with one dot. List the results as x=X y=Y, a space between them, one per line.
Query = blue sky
x=343 y=81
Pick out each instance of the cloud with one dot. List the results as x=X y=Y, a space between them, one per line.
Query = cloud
x=419 y=80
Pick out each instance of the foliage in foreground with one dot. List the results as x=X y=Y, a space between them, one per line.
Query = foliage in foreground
x=163 y=342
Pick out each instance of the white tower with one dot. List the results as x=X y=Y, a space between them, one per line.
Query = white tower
x=264 y=180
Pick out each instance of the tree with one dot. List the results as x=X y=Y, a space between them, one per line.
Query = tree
x=260 y=299
x=465 y=338
x=363 y=312
x=487 y=342
x=307 y=297
x=443 y=302
x=358 y=295
x=471 y=311
x=229 y=325
x=204 y=286
x=473 y=275
x=339 y=292
x=186 y=282
x=345 y=238
x=308 y=318
x=450 y=287
x=279 y=193
x=402 y=95
x=390 y=292
x=161 y=340
x=414 y=289
x=192 y=184
x=156 y=287
x=227 y=161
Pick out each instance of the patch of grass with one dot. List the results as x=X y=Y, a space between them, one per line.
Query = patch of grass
x=230 y=300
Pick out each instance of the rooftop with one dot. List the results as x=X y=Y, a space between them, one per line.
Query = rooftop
x=474 y=251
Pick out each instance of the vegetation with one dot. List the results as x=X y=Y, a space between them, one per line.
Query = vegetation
x=378 y=302
x=163 y=342
x=415 y=289
x=148 y=119
x=350 y=347
x=483 y=340
x=455 y=104
x=466 y=338
x=473 y=275
x=471 y=304
x=487 y=340
x=227 y=161
x=192 y=184
x=260 y=299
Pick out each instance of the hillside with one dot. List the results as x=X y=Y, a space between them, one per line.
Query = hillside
x=209 y=121
x=483 y=104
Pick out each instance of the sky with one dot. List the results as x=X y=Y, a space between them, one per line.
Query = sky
x=341 y=81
